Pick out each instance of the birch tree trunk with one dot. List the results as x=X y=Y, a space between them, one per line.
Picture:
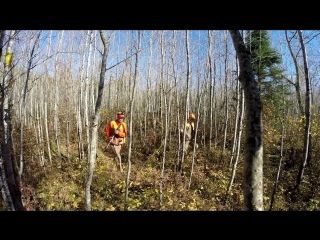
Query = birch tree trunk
x=46 y=102
x=94 y=85
x=164 y=99
x=5 y=188
x=297 y=83
x=180 y=166
x=235 y=132
x=6 y=195
x=201 y=90
x=23 y=112
x=56 y=99
x=237 y=145
x=80 y=101
x=253 y=149
x=275 y=187
x=307 y=111
x=212 y=85
x=177 y=100
x=131 y=105
x=148 y=108
x=226 y=97
x=6 y=145
x=86 y=92
x=94 y=133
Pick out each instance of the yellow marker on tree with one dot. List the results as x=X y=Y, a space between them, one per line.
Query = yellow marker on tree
x=9 y=57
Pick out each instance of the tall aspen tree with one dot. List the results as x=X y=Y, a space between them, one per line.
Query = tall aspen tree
x=46 y=100
x=3 y=179
x=253 y=149
x=148 y=108
x=275 y=185
x=212 y=113
x=237 y=135
x=86 y=91
x=94 y=130
x=56 y=99
x=296 y=84
x=200 y=91
x=6 y=146
x=236 y=125
x=163 y=111
x=307 y=123
x=80 y=100
x=226 y=99
x=22 y=123
x=180 y=167
x=93 y=84
x=131 y=107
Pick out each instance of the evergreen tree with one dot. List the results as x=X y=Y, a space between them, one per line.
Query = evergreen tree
x=265 y=63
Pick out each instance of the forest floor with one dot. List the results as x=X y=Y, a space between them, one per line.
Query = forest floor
x=154 y=183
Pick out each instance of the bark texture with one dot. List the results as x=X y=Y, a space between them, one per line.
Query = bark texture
x=253 y=150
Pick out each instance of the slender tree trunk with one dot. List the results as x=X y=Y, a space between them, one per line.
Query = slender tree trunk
x=212 y=85
x=56 y=100
x=46 y=103
x=24 y=104
x=3 y=180
x=177 y=100
x=148 y=108
x=275 y=186
x=180 y=167
x=235 y=135
x=201 y=90
x=297 y=83
x=80 y=101
x=253 y=175
x=226 y=98
x=131 y=105
x=6 y=145
x=165 y=111
x=86 y=92
x=238 y=146
x=94 y=133
x=307 y=112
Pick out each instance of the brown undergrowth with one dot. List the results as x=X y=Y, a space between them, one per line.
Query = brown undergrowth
x=201 y=186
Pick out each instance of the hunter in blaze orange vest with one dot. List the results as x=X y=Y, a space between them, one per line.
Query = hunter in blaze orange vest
x=116 y=133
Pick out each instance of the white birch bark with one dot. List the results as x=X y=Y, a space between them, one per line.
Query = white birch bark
x=131 y=107
x=13 y=184
x=4 y=186
x=24 y=99
x=94 y=133
x=212 y=112
x=148 y=108
x=253 y=175
x=200 y=91
x=307 y=128
x=276 y=182
x=180 y=167
x=86 y=92
x=80 y=101
x=46 y=120
x=56 y=100
x=162 y=98
x=296 y=84
x=226 y=99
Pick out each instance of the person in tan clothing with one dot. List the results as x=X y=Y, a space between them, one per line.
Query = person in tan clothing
x=116 y=133
x=190 y=132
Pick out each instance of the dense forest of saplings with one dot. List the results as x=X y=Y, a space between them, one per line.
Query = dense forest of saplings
x=254 y=94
